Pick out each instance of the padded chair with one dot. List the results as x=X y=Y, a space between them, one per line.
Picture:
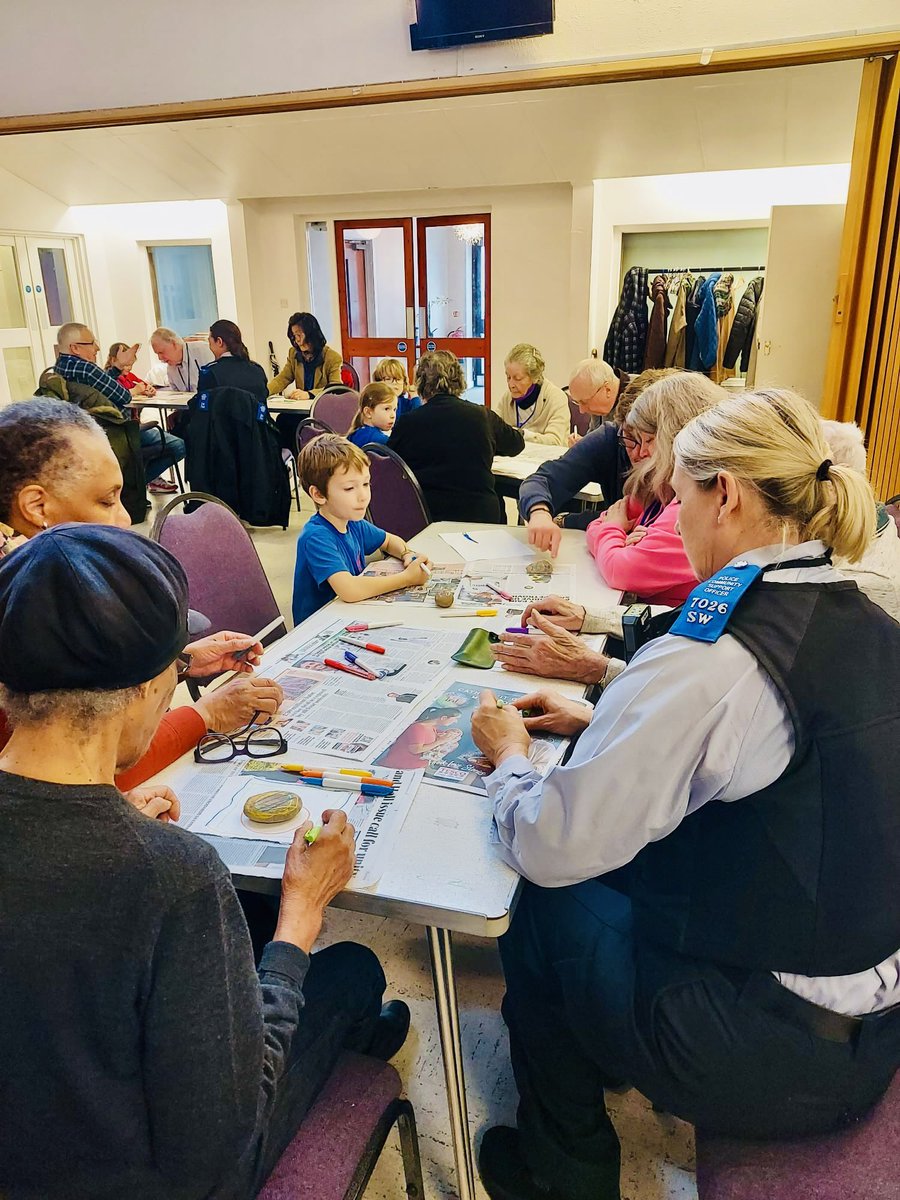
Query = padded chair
x=858 y=1162
x=350 y=375
x=340 y=1141
x=226 y=580
x=336 y=409
x=397 y=503
x=308 y=429
x=579 y=422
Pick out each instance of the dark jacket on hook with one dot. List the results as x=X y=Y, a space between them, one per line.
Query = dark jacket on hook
x=661 y=306
x=626 y=340
x=740 y=340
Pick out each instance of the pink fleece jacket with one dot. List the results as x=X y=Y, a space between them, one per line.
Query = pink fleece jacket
x=656 y=568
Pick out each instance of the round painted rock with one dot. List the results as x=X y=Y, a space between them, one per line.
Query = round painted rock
x=443 y=597
x=271 y=808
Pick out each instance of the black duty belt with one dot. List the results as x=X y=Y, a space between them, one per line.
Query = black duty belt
x=769 y=994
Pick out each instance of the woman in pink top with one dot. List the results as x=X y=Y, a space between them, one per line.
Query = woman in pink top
x=636 y=543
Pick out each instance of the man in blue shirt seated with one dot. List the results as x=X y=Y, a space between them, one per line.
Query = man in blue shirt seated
x=334 y=544
x=77 y=350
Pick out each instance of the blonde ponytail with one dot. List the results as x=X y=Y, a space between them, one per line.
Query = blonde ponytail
x=846 y=519
x=774 y=441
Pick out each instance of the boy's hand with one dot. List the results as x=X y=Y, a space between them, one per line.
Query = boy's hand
x=416 y=574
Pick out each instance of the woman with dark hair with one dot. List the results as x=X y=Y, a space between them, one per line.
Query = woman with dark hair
x=311 y=366
x=233 y=366
x=311 y=363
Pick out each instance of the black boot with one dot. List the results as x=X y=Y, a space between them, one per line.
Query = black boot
x=390 y=1031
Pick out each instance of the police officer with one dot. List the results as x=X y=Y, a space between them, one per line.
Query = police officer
x=712 y=913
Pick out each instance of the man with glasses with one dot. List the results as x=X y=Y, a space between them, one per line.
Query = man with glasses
x=76 y=362
x=604 y=456
x=595 y=387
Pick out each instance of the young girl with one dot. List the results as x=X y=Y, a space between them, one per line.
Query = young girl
x=376 y=416
x=392 y=372
x=119 y=362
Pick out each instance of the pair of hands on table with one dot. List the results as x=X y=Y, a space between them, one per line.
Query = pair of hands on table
x=557 y=653
x=240 y=701
x=544 y=534
x=501 y=732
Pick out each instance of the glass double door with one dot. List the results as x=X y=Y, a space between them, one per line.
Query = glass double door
x=407 y=285
x=39 y=291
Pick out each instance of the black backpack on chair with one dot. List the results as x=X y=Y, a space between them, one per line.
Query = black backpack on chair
x=233 y=451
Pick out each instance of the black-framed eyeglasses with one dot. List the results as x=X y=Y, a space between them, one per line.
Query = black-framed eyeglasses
x=629 y=443
x=85 y=344
x=255 y=741
x=183 y=666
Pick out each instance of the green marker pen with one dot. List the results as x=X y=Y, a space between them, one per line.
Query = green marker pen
x=311 y=834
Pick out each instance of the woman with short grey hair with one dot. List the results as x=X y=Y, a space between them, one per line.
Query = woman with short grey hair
x=532 y=403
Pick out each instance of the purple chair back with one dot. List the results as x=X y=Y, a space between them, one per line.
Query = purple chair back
x=336 y=409
x=308 y=429
x=397 y=503
x=226 y=581
x=579 y=422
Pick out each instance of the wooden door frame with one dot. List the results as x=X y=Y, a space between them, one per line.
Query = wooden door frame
x=461 y=347
x=376 y=347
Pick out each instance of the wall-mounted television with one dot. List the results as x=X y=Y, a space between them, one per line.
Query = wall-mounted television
x=442 y=23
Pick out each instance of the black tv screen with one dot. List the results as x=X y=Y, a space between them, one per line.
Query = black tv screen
x=442 y=23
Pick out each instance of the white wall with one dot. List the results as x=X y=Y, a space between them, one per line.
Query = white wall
x=212 y=48
x=537 y=233
x=701 y=200
x=26 y=209
x=115 y=239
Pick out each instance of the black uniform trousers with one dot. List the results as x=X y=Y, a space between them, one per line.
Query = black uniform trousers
x=589 y=1004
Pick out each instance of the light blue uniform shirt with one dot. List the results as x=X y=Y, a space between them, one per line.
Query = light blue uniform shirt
x=685 y=723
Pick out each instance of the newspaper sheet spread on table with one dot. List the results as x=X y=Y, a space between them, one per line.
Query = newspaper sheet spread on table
x=442 y=576
x=213 y=796
x=522 y=585
x=331 y=712
x=439 y=741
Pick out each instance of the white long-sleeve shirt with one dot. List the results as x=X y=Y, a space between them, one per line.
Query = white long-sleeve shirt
x=687 y=722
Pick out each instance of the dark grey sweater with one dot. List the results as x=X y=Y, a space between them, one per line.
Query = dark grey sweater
x=137 y=1042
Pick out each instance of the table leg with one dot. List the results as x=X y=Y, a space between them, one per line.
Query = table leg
x=440 y=948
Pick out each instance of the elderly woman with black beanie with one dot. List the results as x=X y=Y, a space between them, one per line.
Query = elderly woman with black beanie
x=143 y=1055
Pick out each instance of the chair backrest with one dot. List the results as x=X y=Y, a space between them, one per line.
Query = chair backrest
x=350 y=375
x=579 y=422
x=397 y=504
x=226 y=580
x=308 y=429
x=336 y=409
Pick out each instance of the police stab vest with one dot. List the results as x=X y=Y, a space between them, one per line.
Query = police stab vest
x=803 y=876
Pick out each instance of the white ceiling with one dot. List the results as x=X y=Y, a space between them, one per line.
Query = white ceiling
x=790 y=117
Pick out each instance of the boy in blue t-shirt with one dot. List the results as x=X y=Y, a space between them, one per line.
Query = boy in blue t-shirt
x=333 y=545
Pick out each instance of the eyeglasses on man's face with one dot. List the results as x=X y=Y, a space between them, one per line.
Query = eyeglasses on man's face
x=254 y=741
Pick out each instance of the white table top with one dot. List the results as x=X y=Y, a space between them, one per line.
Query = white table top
x=533 y=456
x=443 y=870
x=167 y=398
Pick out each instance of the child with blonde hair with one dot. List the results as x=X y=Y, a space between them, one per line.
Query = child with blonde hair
x=392 y=372
x=375 y=416
x=333 y=545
